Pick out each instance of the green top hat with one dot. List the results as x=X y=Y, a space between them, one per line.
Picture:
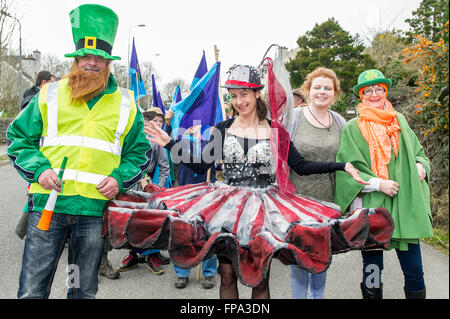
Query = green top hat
x=370 y=77
x=94 y=29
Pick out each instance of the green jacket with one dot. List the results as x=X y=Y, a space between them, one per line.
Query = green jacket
x=410 y=208
x=23 y=137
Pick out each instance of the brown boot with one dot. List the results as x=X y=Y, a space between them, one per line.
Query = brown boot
x=106 y=269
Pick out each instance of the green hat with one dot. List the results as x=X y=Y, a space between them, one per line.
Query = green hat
x=370 y=77
x=94 y=29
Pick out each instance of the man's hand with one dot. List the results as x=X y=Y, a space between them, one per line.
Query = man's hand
x=108 y=187
x=49 y=180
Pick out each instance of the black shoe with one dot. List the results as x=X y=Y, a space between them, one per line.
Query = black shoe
x=372 y=293
x=421 y=294
x=154 y=265
x=181 y=282
x=130 y=261
x=163 y=259
x=142 y=259
x=208 y=282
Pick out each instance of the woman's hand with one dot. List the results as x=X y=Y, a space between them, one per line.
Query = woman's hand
x=155 y=134
x=353 y=172
x=168 y=117
x=389 y=187
x=422 y=171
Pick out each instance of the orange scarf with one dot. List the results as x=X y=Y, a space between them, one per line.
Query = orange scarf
x=380 y=128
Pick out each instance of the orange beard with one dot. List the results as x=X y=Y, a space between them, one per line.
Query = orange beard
x=86 y=85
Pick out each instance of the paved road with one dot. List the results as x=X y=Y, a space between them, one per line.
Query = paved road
x=343 y=276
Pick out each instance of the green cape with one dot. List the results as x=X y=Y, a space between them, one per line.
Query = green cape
x=410 y=208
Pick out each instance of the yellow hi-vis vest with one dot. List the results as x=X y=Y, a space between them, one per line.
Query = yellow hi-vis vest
x=91 y=139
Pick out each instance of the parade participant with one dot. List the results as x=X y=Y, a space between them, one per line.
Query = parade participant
x=246 y=220
x=42 y=78
x=315 y=131
x=193 y=141
x=388 y=154
x=152 y=257
x=159 y=156
x=299 y=99
x=87 y=118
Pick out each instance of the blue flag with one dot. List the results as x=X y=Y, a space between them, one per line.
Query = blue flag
x=157 y=102
x=201 y=71
x=161 y=104
x=219 y=115
x=200 y=106
x=136 y=83
x=177 y=95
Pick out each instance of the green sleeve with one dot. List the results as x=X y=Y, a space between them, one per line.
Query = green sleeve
x=418 y=150
x=22 y=138
x=135 y=156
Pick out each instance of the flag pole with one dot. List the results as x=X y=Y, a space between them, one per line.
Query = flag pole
x=137 y=88
x=222 y=106
x=216 y=53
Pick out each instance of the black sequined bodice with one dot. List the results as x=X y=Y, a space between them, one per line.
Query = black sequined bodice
x=248 y=162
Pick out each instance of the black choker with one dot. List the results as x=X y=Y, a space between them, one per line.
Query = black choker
x=329 y=116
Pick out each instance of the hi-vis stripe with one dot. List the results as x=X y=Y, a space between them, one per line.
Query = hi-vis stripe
x=52 y=138
x=83 y=177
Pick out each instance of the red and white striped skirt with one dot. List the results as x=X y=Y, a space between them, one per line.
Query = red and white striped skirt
x=249 y=226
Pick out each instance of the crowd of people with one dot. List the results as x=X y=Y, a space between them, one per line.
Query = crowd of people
x=349 y=184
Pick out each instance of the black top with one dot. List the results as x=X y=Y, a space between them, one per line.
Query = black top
x=213 y=151
x=28 y=95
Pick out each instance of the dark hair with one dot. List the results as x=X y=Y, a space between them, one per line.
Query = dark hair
x=261 y=107
x=43 y=75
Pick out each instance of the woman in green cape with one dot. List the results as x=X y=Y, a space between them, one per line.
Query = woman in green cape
x=387 y=153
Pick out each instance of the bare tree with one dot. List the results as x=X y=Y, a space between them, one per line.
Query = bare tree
x=9 y=97
x=120 y=73
x=385 y=25
x=53 y=64
x=169 y=89
x=7 y=26
x=147 y=69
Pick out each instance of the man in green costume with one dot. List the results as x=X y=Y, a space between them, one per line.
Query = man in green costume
x=97 y=125
x=387 y=153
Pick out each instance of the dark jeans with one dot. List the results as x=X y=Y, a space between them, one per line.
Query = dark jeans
x=410 y=262
x=43 y=250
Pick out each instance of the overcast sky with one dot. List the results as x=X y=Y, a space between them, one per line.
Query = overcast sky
x=178 y=30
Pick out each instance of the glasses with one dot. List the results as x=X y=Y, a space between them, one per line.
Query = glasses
x=377 y=91
x=96 y=58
